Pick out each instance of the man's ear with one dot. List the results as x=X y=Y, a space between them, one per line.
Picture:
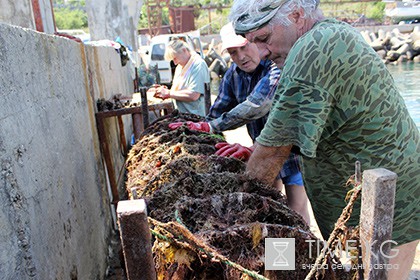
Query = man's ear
x=297 y=18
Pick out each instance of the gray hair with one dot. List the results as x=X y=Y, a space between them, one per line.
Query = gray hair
x=175 y=46
x=250 y=15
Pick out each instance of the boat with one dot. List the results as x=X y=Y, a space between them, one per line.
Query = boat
x=406 y=11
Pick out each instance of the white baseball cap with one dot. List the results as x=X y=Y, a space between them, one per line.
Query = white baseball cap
x=230 y=39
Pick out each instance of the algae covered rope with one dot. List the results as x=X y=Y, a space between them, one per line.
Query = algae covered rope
x=342 y=220
x=200 y=246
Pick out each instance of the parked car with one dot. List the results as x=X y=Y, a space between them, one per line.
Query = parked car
x=153 y=54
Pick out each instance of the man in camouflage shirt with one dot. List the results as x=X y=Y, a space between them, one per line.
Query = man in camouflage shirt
x=337 y=104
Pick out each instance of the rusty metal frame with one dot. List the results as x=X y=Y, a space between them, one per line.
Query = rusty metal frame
x=138 y=126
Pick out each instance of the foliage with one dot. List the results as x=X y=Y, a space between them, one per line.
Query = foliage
x=143 y=22
x=219 y=17
x=66 y=18
x=354 y=10
x=377 y=11
x=70 y=14
x=70 y=2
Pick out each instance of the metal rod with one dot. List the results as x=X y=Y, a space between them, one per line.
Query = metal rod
x=144 y=107
x=207 y=97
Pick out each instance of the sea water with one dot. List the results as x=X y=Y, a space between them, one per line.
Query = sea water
x=407 y=78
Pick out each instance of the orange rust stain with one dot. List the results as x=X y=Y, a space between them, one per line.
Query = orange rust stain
x=37 y=16
x=90 y=100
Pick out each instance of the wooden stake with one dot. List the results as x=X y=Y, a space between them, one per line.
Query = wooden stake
x=136 y=239
x=376 y=219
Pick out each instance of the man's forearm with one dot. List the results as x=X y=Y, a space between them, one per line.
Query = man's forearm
x=265 y=162
x=184 y=95
x=242 y=114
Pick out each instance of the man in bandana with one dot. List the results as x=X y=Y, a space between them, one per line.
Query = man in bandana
x=337 y=104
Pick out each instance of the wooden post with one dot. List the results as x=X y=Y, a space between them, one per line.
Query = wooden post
x=136 y=239
x=376 y=219
x=107 y=157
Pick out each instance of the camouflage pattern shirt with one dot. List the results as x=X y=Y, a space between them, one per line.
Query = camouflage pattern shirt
x=339 y=104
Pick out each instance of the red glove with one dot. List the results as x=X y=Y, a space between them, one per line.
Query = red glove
x=198 y=126
x=233 y=150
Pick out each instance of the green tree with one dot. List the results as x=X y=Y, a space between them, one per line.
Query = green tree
x=66 y=18
x=377 y=11
x=143 y=22
x=70 y=14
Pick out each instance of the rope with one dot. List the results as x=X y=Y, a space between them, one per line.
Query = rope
x=200 y=247
x=342 y=220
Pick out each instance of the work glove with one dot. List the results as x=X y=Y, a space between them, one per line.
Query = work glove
x=198 y=126
x=233 y=150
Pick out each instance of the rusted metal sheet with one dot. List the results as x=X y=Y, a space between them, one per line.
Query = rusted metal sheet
x=181 y=19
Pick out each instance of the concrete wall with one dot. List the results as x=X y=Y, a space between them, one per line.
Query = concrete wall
x=108 y=19
x=17 y=13
x=47 y=17
x=55 y=219
x=23 y=13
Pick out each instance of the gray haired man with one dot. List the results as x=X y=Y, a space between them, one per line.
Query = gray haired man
x=337 y=104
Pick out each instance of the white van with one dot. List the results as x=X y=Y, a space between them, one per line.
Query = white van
x=155 y=52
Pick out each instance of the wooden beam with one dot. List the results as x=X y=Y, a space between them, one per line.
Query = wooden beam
x=136 y=239
x=376 y=219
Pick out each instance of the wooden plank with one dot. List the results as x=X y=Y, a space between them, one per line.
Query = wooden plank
x=135 y=110
x=107 y=157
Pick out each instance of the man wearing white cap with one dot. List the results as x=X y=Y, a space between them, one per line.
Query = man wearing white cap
x=245 y=97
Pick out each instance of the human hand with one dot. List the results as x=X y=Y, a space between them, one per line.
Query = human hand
x=159 y=91
x=162 y=92
x=153 y=89
x=198 y=126
x=233 y=150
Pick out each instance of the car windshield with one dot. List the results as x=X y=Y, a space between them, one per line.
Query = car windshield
x=158 y=52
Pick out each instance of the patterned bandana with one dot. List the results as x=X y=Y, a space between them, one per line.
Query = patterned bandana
x=251 y=22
